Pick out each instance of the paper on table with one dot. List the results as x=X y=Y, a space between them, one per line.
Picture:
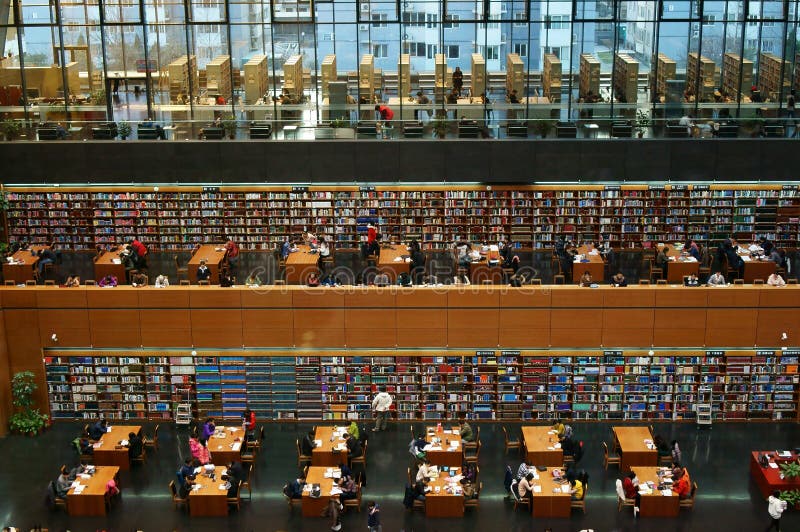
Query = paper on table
x=79 y=489
x=557 y=446
x=335 y=490
x=666 y=492
x=317 y=443
x=397 y=259
x=566 y=488
x=236 y=445
x=773 y=465
x=222 y=487
x=745 y=258
x=537 y=489
x=85 y=476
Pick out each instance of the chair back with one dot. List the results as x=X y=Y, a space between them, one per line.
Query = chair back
x=173 y=489
x=620 y=490
x=605 y=450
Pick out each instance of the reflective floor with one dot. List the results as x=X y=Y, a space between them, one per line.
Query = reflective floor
x=717 y=459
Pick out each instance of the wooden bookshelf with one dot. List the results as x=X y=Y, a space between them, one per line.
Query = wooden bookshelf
x=443 y=78
x=218 y=77
x=259 y=218
x=667 y=69
x=404 y=75
x=732 y=67
x=515 y=74
x=626 y=78
x=366 y=77
x=255 y=78
x=589 y=75
x=293 y=79
x=771 y=80
x=626 y=385
x=704 y=85
x=551 y=78
x=478 y=75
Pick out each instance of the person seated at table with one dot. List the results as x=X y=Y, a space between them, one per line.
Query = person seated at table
x=766 y=245
x=662 y=259
x=63 y=483
x=425 y=470
x=662 y=446
x=253 y=280
x=135 y=446
x=232 y=484
x=162 y=281
x=80 y=469
x=249 y=422
x=324 y=252
x=559 y=427
x=46 y=256
x=418 y=490
x=586 y=279
x=619 y=280
x=465 y=430
x=776 y=257
x=461 y=279
x=203 y=273
x=97 y=429
x=83 y=445
x=630 y=488
x=716 y=279
x=354 y=448
x=452 y=97
x=186 y=470
x=353 y=430
x=775 y=280
x=416 y=448
x=568 y=445
x=404 y=279
x=312 y=280
x=199 y=451
x=348 y=487
x=692 y=249
x=680 y=484
x=186 y=487
x=525 y=488
x=287 y=248
x=512 y=96
x=468 y=489
x=73 y=281
x=510 y=259
x=294 y=489
x=381 y=279
x=307 y=443
x=310 y=239
x=691 y=280
x=226 y=280
x=577 y=489
x=108 y=281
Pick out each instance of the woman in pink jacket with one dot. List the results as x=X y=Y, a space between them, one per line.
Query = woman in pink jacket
x=199 y=451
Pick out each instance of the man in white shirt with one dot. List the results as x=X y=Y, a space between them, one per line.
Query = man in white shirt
x=775 y=509
x=716 y=279
x=775 y=280
x=380 y=405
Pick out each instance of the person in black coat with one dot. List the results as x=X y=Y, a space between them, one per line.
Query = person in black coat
x=135 y=446
x=307 y=444
x=354 y=448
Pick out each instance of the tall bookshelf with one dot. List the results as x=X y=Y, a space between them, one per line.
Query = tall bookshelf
x=734 y=66
x=259 y=218
x=701 y=76
x=551 y=78
x=589 y=75
x=626 y=78
x=632 y=385
x=667 y=70
x=774 y=76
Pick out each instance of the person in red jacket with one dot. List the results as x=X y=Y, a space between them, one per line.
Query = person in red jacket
x=233 y=252
x=249 y=422
x=387 y=115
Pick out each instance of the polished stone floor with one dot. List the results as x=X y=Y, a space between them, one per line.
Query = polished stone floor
x=717 y=459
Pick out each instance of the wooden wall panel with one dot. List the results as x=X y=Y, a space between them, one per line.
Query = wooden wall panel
x=261 y=337
x=631 y=296
x=736 y=297
x=158 y=337
x=421 y=318
x=731 y=319
x=21 y=321
x=61 y=298
x=628 y=319
x=116 y=337
x=267 y=319
x=578 y=336
x=679 y=318
x=319 y=337
x=576 y=319
x=214 y=297
x=371 y=337
x=318 y=318
x=370 y=318
x=216 y=319
x=422 y=338
x=772 y=323
x=266 y=298
x=370 y=297
x=108 y=319
x=474 y=297
x=170 y=297
x=231 y=337
x=627 y=337
x=458 y=318
x=773 y=297
x=19 y=298
x=119 y=297
x=179 y=318
x=66 y=337
x=524 y=337
x=577 y=297
x=528 y=296
x=685 y=299
x=522 y=318
x=63 y=318
x=425 y=298
x=678 y=336
x=730 y=337
x=472 y=337
x=318 y=298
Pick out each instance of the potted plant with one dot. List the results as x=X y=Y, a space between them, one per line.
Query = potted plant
x=791 y=497
x=26 y=419
x=439 y=126
x=790 y=470
x=229 y=125
x=11 y=129
x=342 y=129
x=643 y=122
x=98 y=97
x=124 y=129
x=543 y=127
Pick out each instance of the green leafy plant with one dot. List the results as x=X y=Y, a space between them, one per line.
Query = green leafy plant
x=98 y=97
x=543 y=127
x=439 y=126
x=229 y=125
x=340 y=123
x=11 y=128
x=26 y=419
x=792 y=497
x=643 y=122
x=124 y=129
x=790 y=470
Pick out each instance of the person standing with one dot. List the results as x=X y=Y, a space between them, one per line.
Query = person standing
x=374 y=517
x=458 y=80
x=775 y=509
x=381 y=405
x=249 y=422
x=232 y=252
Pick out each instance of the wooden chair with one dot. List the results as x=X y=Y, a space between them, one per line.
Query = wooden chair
x=526 y=502
x=665 y=460
x=10 y=282
x=246 y=483
x=141 y=459
x=185 y=282
x=176 y=498
x=755 y=281
x=791 y=281
x=58 y=502
x=279 y=282
x=360 y=459
x=204 y=283
x=473 y=502
x=410 y=478
x=236 y=500
x=622 y=501
x=558 y=279
x=610 y=459
x=256 y=444
x=509 y=443
x=181 y=271
x=473 y=458
x=472 y=445
x=152 y=442
x=90 y=282
x=49 y=282
x=738 y=281
x=644 y=281
x=661 y=282
x=418 y=505
x=689 y=503
x=535 y=282
x=302 y=459
x=291 y=502
x=354 y=503
x=487 y=282
x=30 y=282
x=568 y=460
x=581 y=503
x=655 y=272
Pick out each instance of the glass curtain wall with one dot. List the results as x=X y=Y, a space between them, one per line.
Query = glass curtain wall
x=307 y=62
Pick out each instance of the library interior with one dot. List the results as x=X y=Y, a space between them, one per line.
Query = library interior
x=403 y=265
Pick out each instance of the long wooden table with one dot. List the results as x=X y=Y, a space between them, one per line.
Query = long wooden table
x=110 y=263
x=656 y=504
x=225 y=445
x=391 y=263
x=632 y=447
x=757 y=269
x=680 y=265
x=540 y=448
x=595 y=266
x=449 y=452
x=312 y=507
x=300 y=264
x=92 y=500
x=445 y=499
x=213 y=254
x=551 y=500
x=24 y=265
x=329 y=452
x=109 y=452
x=210 y=499
x=768 y=478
